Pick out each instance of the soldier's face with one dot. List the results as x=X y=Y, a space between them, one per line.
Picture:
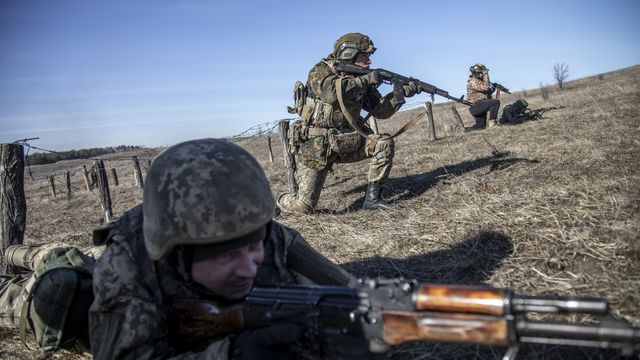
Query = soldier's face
x=363 y=60
x=230 y=274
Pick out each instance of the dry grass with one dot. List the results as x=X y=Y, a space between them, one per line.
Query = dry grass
x=545 y=207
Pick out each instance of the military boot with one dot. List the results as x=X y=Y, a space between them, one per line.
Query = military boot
x=372 y=199
x=491 y=123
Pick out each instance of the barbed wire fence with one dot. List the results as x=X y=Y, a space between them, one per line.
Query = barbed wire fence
x=253 y=134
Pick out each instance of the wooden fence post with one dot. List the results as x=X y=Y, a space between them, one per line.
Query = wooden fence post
x=289 y=159
x=87 y=183
x=456 y=115
x=103 y=187
x=52 y=185
x=270 y=150
x=114 y=177
x=431 y=127
x=13 y=204
x=137 y=172
x=67 y=176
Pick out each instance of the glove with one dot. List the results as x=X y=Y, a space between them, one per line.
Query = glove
x=266 y=343
x=411 y=89
x=373 y=78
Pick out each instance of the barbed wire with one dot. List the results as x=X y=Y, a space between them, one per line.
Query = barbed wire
x=261 y=129
x=253 y=132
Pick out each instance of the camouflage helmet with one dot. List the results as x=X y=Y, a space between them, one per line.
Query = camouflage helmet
x=203 y=192
x=478 y=69
x=520 y=104
x=349 y=45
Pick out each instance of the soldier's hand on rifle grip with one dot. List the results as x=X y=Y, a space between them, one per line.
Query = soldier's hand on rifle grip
x=411 y=89
x=373 y=78
x=266 y=343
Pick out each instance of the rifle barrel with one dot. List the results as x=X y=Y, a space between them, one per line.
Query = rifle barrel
x=391 y=76
x=616 y=336
x=524 y=304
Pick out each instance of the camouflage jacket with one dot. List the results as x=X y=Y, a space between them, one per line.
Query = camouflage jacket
x=477 y=89
x=358 y=95
x=130 y=315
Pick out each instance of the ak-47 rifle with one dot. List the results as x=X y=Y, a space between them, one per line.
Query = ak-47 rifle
x=500 y=87
x=536 y=114
x=398 y=81
x=387 y=312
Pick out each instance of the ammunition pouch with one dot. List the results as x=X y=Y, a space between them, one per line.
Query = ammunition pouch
x=344 y=142
x=297 y=134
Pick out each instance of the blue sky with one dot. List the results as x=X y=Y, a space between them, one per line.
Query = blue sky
x=83 y=74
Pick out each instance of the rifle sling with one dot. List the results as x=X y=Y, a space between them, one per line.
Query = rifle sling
x=354 y=123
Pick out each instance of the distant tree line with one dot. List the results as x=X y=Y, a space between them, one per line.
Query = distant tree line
x=51 y=157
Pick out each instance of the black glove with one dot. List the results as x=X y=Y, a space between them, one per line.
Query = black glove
x=411 y=89
x=266 y=343
x=373 y=78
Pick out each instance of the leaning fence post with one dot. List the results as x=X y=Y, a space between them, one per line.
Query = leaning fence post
x=67 y=176
x=137 y=172
x=289 y=159
x=87 y=183
x=430 y=123
x=103 y=186
x=270 y=150
x=114 y=177
x=456 y=115
x=13 y=204
x=52 y=185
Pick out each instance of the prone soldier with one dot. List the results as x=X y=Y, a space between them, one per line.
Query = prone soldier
x=204 y=231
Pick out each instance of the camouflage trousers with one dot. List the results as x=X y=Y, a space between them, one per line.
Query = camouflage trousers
x=310 y=181
x=27 y=258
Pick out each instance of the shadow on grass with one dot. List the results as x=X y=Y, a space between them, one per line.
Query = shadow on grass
x=408 y=187
x=471 y=261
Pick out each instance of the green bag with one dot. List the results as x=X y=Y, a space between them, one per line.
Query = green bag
x=56 y=302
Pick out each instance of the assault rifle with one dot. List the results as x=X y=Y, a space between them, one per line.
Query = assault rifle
x=398 y=81
x=536 y=114
x=500 y=87
x=387 y=312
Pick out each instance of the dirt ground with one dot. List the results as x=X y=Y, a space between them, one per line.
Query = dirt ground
x=547 y=207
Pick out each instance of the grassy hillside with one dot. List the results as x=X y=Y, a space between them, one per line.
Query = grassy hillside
x=545 y=207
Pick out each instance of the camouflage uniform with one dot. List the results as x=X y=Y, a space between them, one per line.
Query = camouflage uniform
x=318 y=152
x=479 y=92
x=131 y=313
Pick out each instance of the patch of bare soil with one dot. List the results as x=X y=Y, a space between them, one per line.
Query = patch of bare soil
x=546 y=207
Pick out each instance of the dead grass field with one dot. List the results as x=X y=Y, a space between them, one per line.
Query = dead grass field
x=544 y=207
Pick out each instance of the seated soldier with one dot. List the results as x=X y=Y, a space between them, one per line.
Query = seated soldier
x=204 y=231
x=515 y=113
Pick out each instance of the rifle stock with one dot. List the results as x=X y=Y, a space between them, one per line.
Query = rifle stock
x=389 y=312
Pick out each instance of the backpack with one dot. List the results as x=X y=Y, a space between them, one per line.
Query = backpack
x=56 y=301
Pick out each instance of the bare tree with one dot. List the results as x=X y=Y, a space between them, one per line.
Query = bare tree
x=560 y=73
